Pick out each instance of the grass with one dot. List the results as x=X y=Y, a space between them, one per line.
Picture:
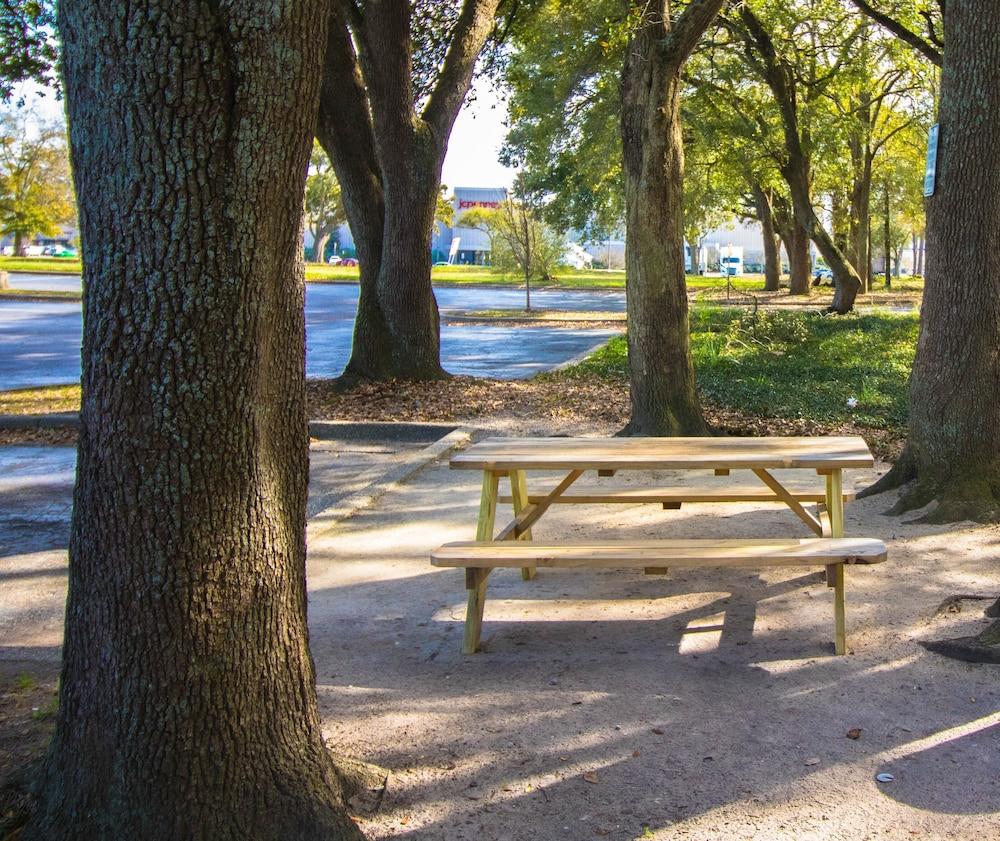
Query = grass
x=41 y=400
x=54 y=265
x=485 y=276
x=780 y=364
x=32 y=294
x=769 y=364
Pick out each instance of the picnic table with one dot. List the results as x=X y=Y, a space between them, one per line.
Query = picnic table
x=513 y=547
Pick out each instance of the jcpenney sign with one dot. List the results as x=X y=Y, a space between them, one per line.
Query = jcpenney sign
x=464 y=203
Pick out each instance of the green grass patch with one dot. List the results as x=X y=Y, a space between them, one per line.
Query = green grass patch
x=46 y=294
x=25 y=683
x=54 y=265
x=41 y=400
x=775 y=363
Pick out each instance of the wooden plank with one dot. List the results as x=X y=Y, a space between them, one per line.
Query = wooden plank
x=680 y=494
x=835 y=502
x=790 y=501
x=665 y=453
x=475 y=579
x=651 y=553
x=519 y=499
x=839 y=610
x=532 y=514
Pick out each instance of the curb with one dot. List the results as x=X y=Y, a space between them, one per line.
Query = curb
x=329 y=517
x=51 y=420
x=580 y=357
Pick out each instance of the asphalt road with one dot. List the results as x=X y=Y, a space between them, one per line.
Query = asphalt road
x=40 y=342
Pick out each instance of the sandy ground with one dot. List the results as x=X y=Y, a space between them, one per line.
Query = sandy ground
x=608 y=704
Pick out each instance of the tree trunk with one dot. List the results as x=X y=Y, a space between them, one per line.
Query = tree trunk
x=796 y=167
x=772 y=259
x=187 y=703
x=845 y=279
x=319 y=247
x=388 y=161
x=860 y=220
x=19 y=247
x=4 y=280
x=403 y=285
x=920 y=258
x=953 y=449
x=887 y=240
x=661 y=371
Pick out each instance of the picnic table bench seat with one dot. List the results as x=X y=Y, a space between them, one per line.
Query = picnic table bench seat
x=479 y=558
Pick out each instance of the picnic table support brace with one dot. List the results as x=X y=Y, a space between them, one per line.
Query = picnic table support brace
x=835 y=572
x=475 y=579
x=519 y=497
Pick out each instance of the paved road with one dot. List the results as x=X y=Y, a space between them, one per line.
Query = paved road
x=39 y=342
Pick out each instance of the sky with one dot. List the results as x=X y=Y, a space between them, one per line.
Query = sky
x=472 y=152
x=475 y=143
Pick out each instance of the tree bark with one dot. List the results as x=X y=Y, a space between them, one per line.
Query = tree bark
x=661 y=372
x=187 y=704
x=796 y=241
x=953 y=450
x=772 y=259
x=860 y=210
x=319 y=246
x=388 y=161
x=887 y=239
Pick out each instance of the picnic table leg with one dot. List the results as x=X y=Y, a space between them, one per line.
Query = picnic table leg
x=835 y=573
x=519 y=494
x=475 y=579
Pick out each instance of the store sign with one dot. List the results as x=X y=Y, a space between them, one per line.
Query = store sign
x=930 y=174
x=464 y=204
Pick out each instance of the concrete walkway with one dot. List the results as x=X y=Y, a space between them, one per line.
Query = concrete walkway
x=700 y=705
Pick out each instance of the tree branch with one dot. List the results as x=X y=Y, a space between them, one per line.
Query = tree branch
x=689 y=27
x=475 y=23
x=922 y=45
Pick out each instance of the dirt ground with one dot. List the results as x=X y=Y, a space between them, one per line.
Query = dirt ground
x=609 y=704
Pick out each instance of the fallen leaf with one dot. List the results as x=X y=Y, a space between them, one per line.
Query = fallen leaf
x=657 y=731
x=635 y=754
x=591 y=777
x=854 y=733
x=813 y=760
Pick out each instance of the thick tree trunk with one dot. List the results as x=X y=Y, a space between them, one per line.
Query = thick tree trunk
x=187 y=705
x=403 y=284
x=388 y=161
x=796 y=242
x=661 y=371
x=845 y=279
x=319 y=247
x=772 y=258
x=19 y=247
x=953 y=450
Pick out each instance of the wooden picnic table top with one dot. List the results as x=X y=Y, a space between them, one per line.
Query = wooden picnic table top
x=723 y=453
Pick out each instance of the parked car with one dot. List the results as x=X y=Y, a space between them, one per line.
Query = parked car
x=348 y=261
x=442 y=263
x=335 y=260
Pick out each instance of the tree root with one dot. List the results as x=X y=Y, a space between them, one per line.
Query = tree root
x=361 y=781
x=984 y=647
x=953 y=604
x=902 y=471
